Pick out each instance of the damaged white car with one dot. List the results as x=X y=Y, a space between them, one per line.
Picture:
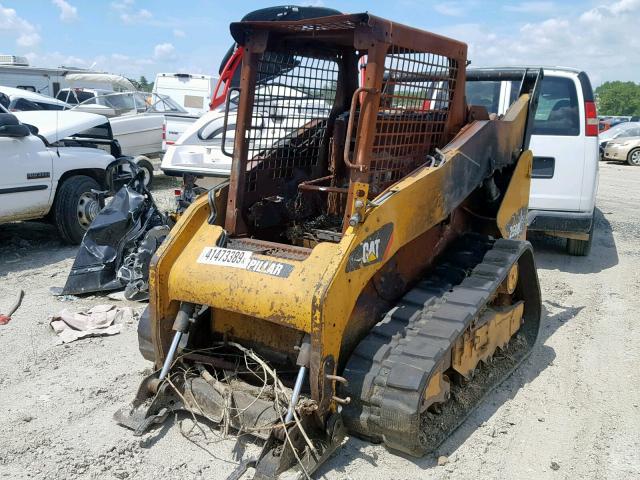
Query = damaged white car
x=51 y=162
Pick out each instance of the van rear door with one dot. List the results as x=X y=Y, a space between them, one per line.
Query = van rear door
x=558 y=145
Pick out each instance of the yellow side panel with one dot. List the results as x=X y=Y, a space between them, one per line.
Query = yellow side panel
x=512 y=215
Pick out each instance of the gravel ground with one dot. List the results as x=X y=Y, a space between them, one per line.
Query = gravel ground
x=572 y=410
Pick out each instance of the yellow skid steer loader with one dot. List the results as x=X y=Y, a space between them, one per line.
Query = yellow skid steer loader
x=365 y=268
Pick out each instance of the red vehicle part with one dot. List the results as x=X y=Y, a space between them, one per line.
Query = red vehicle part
x=276 y=13
x=224 y=82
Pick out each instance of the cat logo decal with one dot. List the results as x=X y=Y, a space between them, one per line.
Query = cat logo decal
x=372 y=249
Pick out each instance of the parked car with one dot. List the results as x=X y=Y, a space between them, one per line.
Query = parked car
x=625 y=149
x=51 y=165
x=199 y=150
x=137 y=127
x=608 y=123
x=564 y=144
x=139 y=136
x=21 y=100
x=123 y=105
x=619 y=132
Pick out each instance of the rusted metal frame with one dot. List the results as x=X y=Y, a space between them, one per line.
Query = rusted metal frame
x=210 y=360
x=255 y=245
x=310 y=185
x=419 y=40
x=457 y=110
x=311 y=26
x=234 y=223
x=378 y=29
x=267 y=173
x=352 y=119
x=368 y=117
x=426 y=42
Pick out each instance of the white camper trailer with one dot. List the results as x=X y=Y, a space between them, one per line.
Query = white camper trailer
x=191 y=91
x=16 y=72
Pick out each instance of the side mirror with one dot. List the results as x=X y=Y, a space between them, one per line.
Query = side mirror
x=4 y=100
x=11 y=127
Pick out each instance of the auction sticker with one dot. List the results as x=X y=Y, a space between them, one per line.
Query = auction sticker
x=227 y=257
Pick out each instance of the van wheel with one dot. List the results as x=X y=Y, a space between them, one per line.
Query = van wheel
x=578 y=248
x=75 y=207
x=147 y=166
x=581 y=248
x=633 y=158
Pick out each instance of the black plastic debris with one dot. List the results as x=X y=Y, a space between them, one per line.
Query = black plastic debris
x=117 y=248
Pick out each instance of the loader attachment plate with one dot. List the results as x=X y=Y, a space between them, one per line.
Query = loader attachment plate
x=207 y=398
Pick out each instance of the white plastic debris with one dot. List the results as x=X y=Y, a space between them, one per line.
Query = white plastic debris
x=97 y=321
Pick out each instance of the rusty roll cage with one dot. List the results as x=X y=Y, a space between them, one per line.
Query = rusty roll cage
x=409 y=101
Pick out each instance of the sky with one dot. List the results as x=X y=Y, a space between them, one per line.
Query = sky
x=144 y=37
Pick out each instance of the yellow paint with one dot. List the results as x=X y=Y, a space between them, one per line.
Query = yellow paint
x=319 y=296
x=437 y=390
x=498 y=325
x=512 y=215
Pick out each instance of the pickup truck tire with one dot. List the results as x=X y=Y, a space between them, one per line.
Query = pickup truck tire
x=581 y=248
x=147 y=166
x=633 y=158
x=72 y=211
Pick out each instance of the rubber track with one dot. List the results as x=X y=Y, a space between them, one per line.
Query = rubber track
x=390 y=368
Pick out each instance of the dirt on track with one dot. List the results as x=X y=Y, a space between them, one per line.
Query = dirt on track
x=571 y=410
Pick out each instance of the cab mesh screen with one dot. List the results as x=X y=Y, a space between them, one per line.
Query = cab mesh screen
x=414 y=106
x=294 y=96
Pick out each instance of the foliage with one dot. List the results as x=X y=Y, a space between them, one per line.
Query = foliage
x=618 y=98
x=142 y=84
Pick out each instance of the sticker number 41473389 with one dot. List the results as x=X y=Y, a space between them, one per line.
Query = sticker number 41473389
x=228 y=257
x=225 y=256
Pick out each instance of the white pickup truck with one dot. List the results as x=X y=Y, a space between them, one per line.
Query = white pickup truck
x=51 y=161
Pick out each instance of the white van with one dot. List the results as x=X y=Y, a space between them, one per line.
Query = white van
x=564 y=143
x=191 y=91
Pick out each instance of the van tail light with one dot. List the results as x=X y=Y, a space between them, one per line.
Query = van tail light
x=164 y=132
x=591 y=125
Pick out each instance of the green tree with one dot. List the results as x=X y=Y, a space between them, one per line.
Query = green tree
x=145 y=86
x=618 y=98
x=142 y=84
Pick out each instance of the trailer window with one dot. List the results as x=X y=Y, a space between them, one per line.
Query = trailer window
x=558 y=111
x=484 y=94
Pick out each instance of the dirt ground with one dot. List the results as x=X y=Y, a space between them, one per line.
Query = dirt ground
x=572 y=410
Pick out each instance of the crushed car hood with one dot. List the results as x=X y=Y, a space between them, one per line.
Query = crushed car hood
x=56 y=125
